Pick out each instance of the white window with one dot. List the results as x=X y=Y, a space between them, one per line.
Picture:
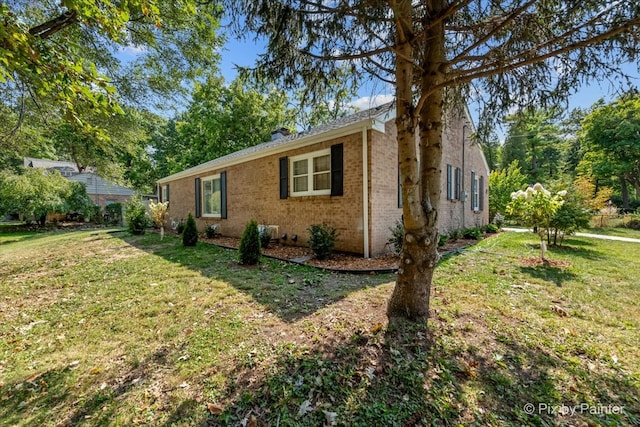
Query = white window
x=475 y=192
x=211 y=197
x=311 y=174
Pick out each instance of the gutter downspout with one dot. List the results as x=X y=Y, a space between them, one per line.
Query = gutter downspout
x=463 y=192
x=365 y=192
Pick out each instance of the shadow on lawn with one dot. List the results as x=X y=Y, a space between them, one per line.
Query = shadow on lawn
x=288 y=290
x=549 y=273
x=405 y=378
x=23 y=402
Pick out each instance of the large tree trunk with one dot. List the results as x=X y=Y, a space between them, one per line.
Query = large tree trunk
x=625 y=192
x=420 y=180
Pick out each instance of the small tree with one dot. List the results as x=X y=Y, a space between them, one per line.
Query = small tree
x=249 y=250
x=321 y=239
x=501 y=184
x=190 y=233
x=136 y=216
x=535 y=208
x=569 y=218
x=159 y=215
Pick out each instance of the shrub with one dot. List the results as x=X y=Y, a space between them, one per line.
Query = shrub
x=97 y=216
x=190 y=233
x=114 y=210
x=397 y=236
x=136 y=216
x=211 y=231
x=180 y=227
x=265 y=236
x=472 y=233
x=321 y=239
x=442 y=241
x=249 y=250
x=454 y=234
x=491 y=228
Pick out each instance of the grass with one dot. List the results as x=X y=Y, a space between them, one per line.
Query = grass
x=109 y=329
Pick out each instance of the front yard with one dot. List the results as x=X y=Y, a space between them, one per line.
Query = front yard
x=104 y=328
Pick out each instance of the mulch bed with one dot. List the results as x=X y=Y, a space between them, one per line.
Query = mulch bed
x=339 y=261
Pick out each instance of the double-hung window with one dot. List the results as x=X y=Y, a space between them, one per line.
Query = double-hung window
x=475 y=192
x=211 y=197
x=311 y=174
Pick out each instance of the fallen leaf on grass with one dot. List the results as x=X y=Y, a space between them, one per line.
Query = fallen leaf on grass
x=304 y=408
x=214 y=409
x=376 y=328
x=330 y=417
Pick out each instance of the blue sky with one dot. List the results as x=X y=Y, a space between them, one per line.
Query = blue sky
x=245 y=52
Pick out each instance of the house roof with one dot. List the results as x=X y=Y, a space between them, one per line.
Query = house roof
x=30 y=162
x=374 y=116
x=98 y=185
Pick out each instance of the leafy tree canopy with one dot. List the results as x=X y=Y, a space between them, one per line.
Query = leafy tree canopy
x=67 y=56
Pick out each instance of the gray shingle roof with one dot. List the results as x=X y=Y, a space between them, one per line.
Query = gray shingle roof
x=360 y=116
x=98 y=185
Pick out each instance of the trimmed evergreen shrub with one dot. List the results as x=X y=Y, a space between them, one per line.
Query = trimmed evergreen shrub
x=321 y=239
x=249 y=250
x=190 y=233
x=490 y=228
x=136 y=216
x=397 y=236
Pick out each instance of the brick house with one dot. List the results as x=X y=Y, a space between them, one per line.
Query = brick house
x=317 y=176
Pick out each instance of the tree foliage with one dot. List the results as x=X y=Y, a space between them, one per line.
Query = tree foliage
x=511 y=52
x=35 y=193
x=501 y=184
x=84 y=58
x=612 y=134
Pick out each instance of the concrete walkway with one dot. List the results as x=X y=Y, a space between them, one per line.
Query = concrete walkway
x=588 y=235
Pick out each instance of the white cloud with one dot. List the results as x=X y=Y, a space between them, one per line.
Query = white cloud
x=132 y=50
x=366 y=102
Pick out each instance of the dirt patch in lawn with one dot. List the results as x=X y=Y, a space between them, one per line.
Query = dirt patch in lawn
x=340 y=261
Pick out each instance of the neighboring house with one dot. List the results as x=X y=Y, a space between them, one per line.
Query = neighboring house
x=100 y=191
x=317 y=176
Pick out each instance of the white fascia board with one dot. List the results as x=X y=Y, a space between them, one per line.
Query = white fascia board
x=278 y=149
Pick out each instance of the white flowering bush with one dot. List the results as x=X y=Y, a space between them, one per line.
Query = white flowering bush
x=535 y=208
x=159 y=214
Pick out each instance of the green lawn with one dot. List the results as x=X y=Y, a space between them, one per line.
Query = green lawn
x=109 y=329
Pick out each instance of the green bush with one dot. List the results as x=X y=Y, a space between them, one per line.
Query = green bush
x=190 y=233
x=114 y=210
x=136 y=216
x=321 y=239
x=180 y=227
x=443 y=240
x=472 y=233
x=491 y=228
x=97 y=215
x=397 y=236
x=454 y=234
x=265 y=237
x=249 y=250
x=211 y=231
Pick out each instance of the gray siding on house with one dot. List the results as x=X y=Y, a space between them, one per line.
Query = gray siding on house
x=98 y=185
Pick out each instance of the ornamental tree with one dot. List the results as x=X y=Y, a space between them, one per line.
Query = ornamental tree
x=535 y=208
x=158 y=214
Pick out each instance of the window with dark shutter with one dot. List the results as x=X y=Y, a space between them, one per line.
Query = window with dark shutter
x=458 y=184
x=337 y=170
x=223 y=194
x=198 y=196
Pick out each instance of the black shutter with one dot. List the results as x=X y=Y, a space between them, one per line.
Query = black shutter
x=337 y=170
x=223 y=195
x=449 y=182
x=473 y=190
x=197 y=197
x=284 y=177
x=481 y=193
x=457 y=185
x=167 y=194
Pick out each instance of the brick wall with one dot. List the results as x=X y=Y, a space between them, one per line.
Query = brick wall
x=383 y=179
x=253 y=193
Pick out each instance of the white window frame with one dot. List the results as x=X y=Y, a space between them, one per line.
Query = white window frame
x=164 y=192
x=475 y=193
x=309 y=158
x=202 y=198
